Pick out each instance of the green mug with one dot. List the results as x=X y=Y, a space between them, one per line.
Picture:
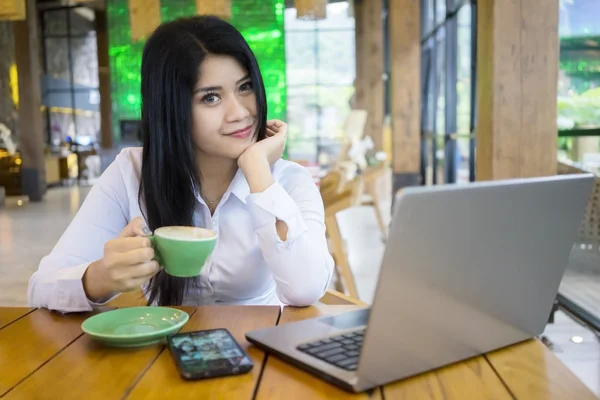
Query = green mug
x=183 y=250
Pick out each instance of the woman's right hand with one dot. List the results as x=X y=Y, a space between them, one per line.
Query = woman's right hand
x=126 y=265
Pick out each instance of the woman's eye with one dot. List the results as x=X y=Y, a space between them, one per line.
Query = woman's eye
x=210 y=98
x=246 y=86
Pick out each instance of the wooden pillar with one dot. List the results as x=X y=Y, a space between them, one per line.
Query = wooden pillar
x=32 y=141
x=106 y=138
x=405 y=91
x=517 y=75
x=369 y=66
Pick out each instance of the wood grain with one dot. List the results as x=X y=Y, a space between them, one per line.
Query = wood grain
x=472 y=379
x=10 y=314
x=333 y=297
x=532 y=372
x=144 y=17
x=162 y=381
x=517 y=77
x=13 y=10
x=28 y=343
x=90 y=370
x=405 y=85
x=281 y=380
x=369 y=66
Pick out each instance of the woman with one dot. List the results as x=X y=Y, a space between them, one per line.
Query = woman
x=209 y=159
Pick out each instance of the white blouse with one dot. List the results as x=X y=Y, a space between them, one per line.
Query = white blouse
x=250 y=263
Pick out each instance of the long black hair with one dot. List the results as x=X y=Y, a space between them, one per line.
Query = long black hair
x=170 y=64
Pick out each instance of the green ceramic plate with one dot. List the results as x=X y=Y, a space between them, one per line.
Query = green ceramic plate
x=135 y=326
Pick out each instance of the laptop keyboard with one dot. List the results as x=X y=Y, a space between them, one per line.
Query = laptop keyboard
x=342 y=350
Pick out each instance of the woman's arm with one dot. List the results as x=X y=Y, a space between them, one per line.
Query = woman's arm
x=57 y=284
x=288 y=218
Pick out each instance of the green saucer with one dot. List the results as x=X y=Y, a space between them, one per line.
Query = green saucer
x=135 y=326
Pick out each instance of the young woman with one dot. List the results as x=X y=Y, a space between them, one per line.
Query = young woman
x=210 y=159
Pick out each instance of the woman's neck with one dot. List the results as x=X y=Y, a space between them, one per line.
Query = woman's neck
x=216 y=173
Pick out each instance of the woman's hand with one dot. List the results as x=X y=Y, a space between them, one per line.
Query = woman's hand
x=126 y=265
x=270 y=149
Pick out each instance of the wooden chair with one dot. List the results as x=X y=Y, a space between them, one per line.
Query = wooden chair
x=578 y=293
x=334 y=202
x=377 y=184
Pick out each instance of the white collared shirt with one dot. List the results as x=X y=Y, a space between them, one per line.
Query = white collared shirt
x=250 y=264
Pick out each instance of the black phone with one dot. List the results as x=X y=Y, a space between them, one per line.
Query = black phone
x=208 y=354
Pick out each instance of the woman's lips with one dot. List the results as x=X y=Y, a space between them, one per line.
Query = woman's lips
x=242 y=133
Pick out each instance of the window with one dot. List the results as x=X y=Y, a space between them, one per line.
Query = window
x=320 y=63
x=448 y=95
x=579 y=81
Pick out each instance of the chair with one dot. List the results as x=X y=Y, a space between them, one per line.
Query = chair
x=579 y=292
x=377 y=184
x=338 y=196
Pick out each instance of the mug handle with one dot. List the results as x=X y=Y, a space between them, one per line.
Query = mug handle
x=157 y=256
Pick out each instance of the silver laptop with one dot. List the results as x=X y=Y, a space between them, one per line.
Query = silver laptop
x=467 y=269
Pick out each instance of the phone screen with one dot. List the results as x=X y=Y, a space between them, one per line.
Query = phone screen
x=208 y=353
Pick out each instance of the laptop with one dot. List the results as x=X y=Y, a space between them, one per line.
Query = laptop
x=467 y=269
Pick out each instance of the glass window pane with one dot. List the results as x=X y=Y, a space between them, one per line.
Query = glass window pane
x=302 y=150
x=441 y=82
x=462 y=160
x=85 y=61
x=294 y=24
x=427 y=17
x=579 y=18
x=463 y=59
x=334 y=106
x=303 y=113
x=55 y=22
x=441 y=156
x=336 y=57
x=440 y=11
x=579 y=80
x=82 y=21
x=57 y=59
x=301 y=57
x=337 y=17
x=428 y=88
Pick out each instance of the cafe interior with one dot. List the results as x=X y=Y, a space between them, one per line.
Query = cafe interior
x=379 y=96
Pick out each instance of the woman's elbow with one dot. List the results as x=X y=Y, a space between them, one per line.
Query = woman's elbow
x=33 y=292
x=308 y=292
x=301 y=297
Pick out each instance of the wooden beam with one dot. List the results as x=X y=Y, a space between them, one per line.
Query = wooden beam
x=32 y=141
x=144 y=17
x=405 y=86
x=106 y=138
x=13 y=10
x=517 y=75
x=369 y=67
x=218 y=8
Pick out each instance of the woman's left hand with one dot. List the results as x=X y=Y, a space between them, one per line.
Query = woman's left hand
x=270 y=148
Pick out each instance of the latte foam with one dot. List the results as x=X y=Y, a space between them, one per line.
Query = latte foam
x=184 y=233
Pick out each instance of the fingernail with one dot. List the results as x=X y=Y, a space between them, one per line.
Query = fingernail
x=146 y=231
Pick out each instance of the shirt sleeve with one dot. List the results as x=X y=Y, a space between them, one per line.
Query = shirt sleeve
x=57 y=284
x=301 y=265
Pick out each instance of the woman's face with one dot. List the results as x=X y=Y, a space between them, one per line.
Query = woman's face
x=223 y=108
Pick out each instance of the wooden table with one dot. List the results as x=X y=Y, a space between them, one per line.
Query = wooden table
x=45 y=355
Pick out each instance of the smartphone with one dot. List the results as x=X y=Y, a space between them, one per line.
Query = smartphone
x=208 y=354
